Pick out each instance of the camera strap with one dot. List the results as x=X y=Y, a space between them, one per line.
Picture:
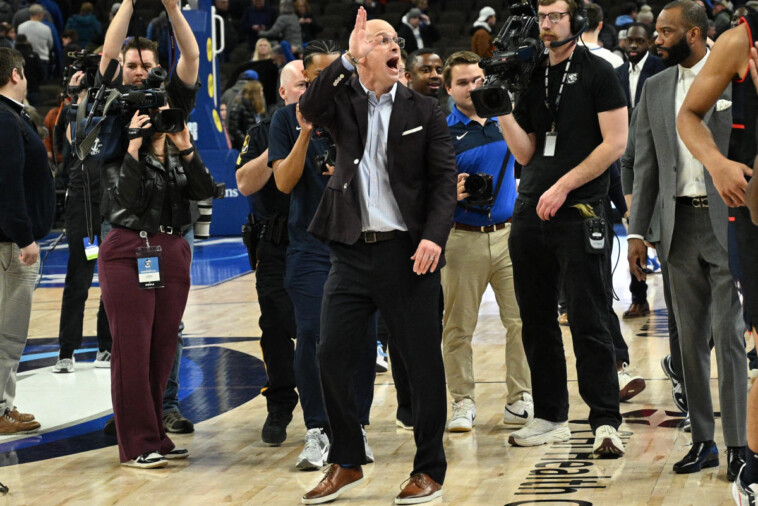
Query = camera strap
x=560 y=89
x=469 y=207
x=84 y=143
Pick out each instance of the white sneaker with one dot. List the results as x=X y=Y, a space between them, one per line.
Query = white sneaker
x=539 y=432
x=367 y=448
x=103 y=359
x=520 y=412
x=149 y=460
x=629 y=385
x=64 y=365
x=607 y=442
x=381 y=358
x=464 y=414
x=744 y=495
x=316 y=450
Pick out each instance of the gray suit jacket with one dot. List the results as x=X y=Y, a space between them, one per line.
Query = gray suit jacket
x=657 y=157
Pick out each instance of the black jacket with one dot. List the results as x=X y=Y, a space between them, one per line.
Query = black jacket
x=137 y=197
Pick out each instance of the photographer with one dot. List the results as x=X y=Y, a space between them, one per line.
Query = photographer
x=149 y=210
x=294 y=146
x=139 y=56
x=477 y=250
x=569 y=126
x=79 y=222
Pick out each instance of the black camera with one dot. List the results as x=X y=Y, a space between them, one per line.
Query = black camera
x=83 y=61
x=328 y=157
x=519 y=50
x=479 y=188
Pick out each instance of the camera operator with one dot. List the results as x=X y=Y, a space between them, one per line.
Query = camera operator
x=269 y=230
x=149 y=210
x=80 y=223
x=138 y=57
x=477 y=250
x=295 y=145
x=569 y=126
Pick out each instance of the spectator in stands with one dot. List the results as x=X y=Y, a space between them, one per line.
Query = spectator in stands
x=646 y=15
x=229 y=95
x=70 y=41
x=52 y=9
x=722 y=16
x=247 y=110
x=262 y=50
x=628 y=15
x=7 y=34
x=86 y=24
x=417 y=30
x=286 y=27
x=481 y=33
x=258 y=16
x=309 y=27
x=39 y=35
x=230 y=28
x=34 y=69
x=590 y=36
x=372 y=7
x=6 y=12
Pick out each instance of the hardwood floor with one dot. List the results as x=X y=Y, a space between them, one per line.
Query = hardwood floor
x=230 y=465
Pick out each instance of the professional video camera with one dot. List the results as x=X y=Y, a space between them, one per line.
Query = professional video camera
x=83 y=61
x=519 y=49
x=328 y=157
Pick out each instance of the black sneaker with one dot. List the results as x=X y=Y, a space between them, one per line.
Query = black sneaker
x=174 y=422
x=275 y=428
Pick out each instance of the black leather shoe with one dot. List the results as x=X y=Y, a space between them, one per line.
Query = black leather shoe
x=735 y=459
x=275 y=428
x=700 y=456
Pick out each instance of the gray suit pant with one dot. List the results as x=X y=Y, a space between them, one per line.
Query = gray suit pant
x=705 y=301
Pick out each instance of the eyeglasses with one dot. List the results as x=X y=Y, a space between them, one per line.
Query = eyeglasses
x=554 y=17
x=386 y=41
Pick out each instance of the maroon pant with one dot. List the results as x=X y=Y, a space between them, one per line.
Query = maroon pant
x=143 y=324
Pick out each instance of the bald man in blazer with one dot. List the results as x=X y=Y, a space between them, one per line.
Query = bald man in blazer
x=386 y=214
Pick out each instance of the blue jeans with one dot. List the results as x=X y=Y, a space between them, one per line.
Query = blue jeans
x=304 y=280
x=171 y=395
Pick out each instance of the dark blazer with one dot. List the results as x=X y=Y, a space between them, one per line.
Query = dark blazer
x=429 y=34
x=652 y=66
x=420 y=158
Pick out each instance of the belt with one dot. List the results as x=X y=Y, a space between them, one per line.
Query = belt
x=372 y=237
x=165 y=229
x=485 y=229
x=697 y=202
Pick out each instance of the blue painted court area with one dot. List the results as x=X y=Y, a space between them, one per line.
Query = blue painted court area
x=215 y=260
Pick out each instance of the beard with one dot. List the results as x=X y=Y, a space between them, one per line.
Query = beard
x=677 y=53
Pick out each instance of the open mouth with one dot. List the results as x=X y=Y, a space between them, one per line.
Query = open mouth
x=394 y=63
x=435 y=85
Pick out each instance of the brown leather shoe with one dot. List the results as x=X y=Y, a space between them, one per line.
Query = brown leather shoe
x=337 y=479
x=21 y=417
x=10 y=425
x=420 y=488
x=636 y=310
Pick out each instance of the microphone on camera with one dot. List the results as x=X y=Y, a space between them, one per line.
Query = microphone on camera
x=559 y=43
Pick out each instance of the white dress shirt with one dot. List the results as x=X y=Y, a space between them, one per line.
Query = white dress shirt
x=690 y=181
x=634 y=77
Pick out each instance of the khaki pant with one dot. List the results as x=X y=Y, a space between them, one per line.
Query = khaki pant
x=16 y=290
x=474 y=260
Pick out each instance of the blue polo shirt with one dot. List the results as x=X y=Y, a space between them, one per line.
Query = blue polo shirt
x=306 y=195
x=482 y=149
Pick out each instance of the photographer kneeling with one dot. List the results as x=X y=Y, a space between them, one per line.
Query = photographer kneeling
x=144 y=275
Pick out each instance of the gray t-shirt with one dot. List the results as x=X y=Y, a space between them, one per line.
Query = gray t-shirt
x=40 y=37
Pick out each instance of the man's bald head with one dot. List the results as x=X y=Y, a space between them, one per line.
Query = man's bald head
x=292 y=83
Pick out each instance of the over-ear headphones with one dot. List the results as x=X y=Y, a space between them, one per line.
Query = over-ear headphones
x=579 y=19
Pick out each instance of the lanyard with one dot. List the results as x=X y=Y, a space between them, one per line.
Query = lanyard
x=560 y=90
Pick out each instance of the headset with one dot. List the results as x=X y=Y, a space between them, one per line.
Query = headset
x=578 y=23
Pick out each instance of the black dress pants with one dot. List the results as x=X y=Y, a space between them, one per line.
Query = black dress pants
x=543 y=252
x=364 y=278
x=277 y=323
x=79 y=273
